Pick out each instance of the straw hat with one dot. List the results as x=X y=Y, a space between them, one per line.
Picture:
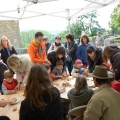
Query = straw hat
x=100 y=72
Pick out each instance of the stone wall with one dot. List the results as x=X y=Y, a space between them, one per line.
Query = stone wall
x=10 y=29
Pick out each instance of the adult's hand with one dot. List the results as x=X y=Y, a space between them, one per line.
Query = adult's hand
x=3 y=105
x=12 y=100
x=47 y=61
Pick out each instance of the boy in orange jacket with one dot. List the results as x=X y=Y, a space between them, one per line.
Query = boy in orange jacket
x=37 y=50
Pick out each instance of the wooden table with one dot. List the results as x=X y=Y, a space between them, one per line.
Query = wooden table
x=14 y=115
x=8 y=110
x=72 y=82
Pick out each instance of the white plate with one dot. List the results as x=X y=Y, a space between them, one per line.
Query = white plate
x=17 y=101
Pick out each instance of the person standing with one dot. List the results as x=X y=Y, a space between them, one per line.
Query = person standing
x=70 y=52
x=99 y=39
x=6 y=49
x=36 y=50
x=81 y=50
x=56 y=44
x=47 y=44
x=21 y=65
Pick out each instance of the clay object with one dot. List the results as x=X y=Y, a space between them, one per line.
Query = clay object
x=15 y=108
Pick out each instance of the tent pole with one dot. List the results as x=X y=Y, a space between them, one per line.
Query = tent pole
x=69 y=25
x=68 y=18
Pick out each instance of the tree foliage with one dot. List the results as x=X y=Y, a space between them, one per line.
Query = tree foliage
x=115 y=18
x=27 y=36
x=88 y=23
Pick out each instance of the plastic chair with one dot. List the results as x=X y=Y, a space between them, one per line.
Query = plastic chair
x=78 y=111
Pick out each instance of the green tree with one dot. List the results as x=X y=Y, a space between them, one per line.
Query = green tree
x=62 y=35
x=115 y=19
x=88 y=23
x=27 y=36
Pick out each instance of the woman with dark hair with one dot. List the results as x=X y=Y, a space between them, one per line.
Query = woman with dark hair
x=53 y=56
x=70 y=52
x=112 y=53
x=56 y=44
x=42 y=100
x=81 y=50
x=6 y=49
x=94 y=57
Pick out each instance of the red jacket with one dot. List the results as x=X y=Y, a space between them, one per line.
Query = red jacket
x=116 y=86
x=12 y=85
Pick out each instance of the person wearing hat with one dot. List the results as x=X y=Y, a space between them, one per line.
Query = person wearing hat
x=105 y=102
x=47 y=44
x=78 y=68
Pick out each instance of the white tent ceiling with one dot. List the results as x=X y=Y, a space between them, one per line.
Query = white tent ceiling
x=67 y=9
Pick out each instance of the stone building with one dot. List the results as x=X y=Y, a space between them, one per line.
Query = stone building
x=10 y=29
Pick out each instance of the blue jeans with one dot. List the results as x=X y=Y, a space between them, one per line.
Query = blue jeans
x=69 y=66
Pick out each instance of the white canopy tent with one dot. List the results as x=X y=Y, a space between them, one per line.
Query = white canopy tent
x=66 y=9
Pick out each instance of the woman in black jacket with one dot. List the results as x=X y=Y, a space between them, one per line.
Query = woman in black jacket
x=112 y=53
x=71 y=48
x=6 y=49
x=94 y=57
x=53 y=56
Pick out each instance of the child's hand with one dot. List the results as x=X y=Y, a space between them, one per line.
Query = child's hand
x=22 y=86
x=59 y=76
x=85 y=72
x=17 y=87
x=65 y=74
x=13 y=91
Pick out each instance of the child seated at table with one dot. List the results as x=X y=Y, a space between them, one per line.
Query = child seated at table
x=9 y=83
x=78 y=68
x=57 y=72
x=80 y=94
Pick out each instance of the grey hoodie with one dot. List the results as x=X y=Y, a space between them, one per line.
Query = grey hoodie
x=81 y=99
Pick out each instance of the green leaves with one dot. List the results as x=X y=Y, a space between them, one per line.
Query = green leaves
x=27 y=36
x=87 y=22
x=115 y=18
